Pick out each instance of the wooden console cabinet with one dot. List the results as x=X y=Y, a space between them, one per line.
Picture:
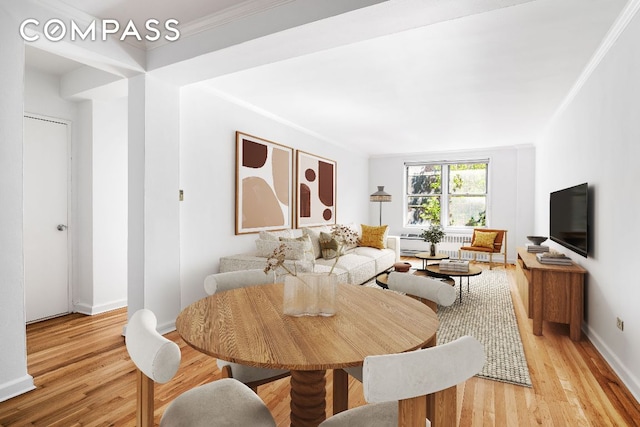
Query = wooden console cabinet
x=554 y=293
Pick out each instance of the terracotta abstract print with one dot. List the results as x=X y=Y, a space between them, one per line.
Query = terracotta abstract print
x=316 y=186
x=263 y=184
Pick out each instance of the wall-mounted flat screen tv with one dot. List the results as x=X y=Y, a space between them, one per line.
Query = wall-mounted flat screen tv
x=569 y=218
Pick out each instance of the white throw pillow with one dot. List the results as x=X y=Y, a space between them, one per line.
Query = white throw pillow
x=274 y=235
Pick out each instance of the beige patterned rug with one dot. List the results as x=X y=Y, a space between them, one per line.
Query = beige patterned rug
x=487 y=313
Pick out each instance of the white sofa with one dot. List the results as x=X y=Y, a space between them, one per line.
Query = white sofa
x=356 y=266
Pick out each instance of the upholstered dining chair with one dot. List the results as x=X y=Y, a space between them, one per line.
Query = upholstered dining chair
x=431 y=291
x=249 y=375
x=487 y=241
x=222 y=403
x=396 y=385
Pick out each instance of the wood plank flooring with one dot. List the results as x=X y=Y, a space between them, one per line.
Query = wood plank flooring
x=85 y=378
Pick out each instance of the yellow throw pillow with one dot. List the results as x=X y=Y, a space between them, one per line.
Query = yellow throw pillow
x=373 y=237
x=484 y=239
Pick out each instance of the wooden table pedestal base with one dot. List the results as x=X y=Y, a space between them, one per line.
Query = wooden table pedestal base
x=308 y=395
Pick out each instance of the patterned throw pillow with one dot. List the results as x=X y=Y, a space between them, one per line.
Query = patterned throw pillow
x=296 y=249
x=373 y=237
x=300 y=244
x=314 y=235
x=484 y=239
x=328 y=245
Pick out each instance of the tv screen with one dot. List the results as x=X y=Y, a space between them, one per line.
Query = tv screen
x=569 y=218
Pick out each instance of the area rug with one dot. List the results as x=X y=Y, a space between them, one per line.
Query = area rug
x=487 y=313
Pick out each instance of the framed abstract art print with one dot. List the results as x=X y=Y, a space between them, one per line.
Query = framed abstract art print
x=264 y=185
x=315 y=190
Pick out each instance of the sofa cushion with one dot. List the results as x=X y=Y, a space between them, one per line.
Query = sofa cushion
x=384 y=258
x=373 y=236
x=360 y=268
x=295 y=248
x=484 y=239
x=300 y=243
x=328 y=246
x=253 y=261
x=314 y=235
x=275 y=235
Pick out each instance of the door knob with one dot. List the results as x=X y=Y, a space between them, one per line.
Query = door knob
x=61 y=227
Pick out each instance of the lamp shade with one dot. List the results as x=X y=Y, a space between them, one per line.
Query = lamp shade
x=380 y=195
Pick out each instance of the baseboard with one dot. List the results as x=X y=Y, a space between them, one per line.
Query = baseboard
x=628 y=379
x=163 y=329
x=16 y=387
x=91 y=310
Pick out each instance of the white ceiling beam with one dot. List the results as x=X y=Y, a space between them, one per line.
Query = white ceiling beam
x=90 y=83
x=240 y=45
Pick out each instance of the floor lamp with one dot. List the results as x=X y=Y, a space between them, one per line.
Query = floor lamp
x=380 y=196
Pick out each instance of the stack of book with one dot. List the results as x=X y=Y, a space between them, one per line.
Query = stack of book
x=536 y=249
x=454 y=265
x=553 y=258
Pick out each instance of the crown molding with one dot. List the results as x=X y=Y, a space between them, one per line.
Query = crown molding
x=276 y=118
x=64 y=10
x=618 y=27
x=225 y=16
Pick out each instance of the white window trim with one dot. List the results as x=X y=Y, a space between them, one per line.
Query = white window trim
x=445 y=194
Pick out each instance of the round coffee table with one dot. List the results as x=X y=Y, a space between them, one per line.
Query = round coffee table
x=383 y=278
x=434 y=270
x=426 y=256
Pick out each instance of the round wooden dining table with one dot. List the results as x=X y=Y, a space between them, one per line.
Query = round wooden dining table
x=247 y=326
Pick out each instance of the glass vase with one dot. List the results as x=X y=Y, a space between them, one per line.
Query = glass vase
x=310 y=294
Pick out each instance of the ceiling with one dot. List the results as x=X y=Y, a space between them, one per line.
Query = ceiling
x=482 y=80
x=141 y=10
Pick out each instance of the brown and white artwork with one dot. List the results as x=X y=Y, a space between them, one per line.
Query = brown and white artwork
x=264 y=185
x=316 y=190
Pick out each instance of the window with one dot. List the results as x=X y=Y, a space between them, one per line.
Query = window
x=452 y=194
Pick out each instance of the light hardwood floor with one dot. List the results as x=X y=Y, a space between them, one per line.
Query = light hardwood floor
x=84 y=377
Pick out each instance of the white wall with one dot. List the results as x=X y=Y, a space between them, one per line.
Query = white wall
x=42 y=96
x=14 y=378
x=82 y=211
x=596 y=140
x=510 y=189
x=207 y=175
x=109 y=204
x=153 y=207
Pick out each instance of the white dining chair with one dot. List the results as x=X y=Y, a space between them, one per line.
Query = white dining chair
x=221 y=403
x=250 y=375
x=396 y=385
x=434 y=292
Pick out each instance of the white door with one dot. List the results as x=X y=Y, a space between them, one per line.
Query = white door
x=46 y=162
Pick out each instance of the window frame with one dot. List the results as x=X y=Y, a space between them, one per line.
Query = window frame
x=445 y=193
